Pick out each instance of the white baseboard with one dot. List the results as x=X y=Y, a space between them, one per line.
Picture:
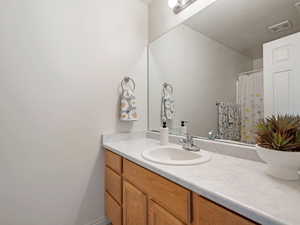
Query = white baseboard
x=99 y=221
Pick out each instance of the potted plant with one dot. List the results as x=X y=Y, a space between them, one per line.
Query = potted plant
x=278 y=144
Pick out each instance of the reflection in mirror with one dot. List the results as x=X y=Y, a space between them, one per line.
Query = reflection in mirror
x=225 y=68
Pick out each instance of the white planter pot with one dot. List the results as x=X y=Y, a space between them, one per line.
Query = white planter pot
x=283 y=165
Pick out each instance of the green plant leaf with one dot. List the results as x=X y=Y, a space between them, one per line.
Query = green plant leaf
x=281 y=132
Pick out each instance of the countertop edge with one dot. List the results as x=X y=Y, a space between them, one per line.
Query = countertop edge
x=230 y=204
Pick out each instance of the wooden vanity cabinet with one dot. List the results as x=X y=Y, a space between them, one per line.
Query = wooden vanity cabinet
x=134 y=205
x=113 y=210
x=160 y=216
x=113 y=187
x=208 y=213
x=174 y=198
x=137 y=196
x=113 y=161
x=113 y=184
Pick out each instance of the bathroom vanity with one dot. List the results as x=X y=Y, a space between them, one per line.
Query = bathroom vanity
x=137 y=196
x=224 y=191
x=213 y=76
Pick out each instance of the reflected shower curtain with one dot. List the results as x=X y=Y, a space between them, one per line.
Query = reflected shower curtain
x=250 y=99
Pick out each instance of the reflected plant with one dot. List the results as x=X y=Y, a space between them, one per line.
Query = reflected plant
x=281 y=133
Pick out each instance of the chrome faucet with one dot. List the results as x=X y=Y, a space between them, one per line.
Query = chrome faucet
x=188 y=144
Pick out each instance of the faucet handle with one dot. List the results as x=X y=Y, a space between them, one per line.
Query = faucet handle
x=185 y=140
x=188 y=144
x=188 y=139
x=182 y=141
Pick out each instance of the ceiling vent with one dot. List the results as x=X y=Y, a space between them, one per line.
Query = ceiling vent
x=280 y=27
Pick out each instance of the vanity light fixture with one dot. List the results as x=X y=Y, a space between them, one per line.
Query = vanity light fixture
x=179 y=5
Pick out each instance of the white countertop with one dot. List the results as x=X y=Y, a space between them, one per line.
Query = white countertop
x=237 y=184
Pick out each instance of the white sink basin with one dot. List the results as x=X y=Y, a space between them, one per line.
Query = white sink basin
x=173 y=155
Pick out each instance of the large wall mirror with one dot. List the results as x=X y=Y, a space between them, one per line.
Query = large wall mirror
x=225 y=68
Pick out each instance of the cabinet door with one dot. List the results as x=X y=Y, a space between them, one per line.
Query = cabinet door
x=167 y=194
x=160 y=216
x=134 y=206
x=113 y=210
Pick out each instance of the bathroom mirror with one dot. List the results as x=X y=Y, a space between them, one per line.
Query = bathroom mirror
x=225 y=68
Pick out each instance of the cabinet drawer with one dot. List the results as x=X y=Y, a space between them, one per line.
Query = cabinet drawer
x=113 y=184
x=169 y=195
x=114 y=161
x=113 y=210
x=208 y=213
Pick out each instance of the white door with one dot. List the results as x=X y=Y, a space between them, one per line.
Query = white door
x=282 y=76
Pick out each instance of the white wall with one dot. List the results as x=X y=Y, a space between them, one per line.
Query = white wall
x=61 y=62
x=162 y=18
x=258 y=63
x=202 y=72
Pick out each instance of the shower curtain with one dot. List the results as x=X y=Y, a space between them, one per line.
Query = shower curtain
x=250 y=99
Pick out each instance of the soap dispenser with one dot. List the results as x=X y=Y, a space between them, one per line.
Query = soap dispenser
x=164 y=134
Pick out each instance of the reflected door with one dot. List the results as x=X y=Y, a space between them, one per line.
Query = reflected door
x=282 y=76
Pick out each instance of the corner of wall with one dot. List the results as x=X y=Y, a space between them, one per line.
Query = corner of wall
x=258 y=63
